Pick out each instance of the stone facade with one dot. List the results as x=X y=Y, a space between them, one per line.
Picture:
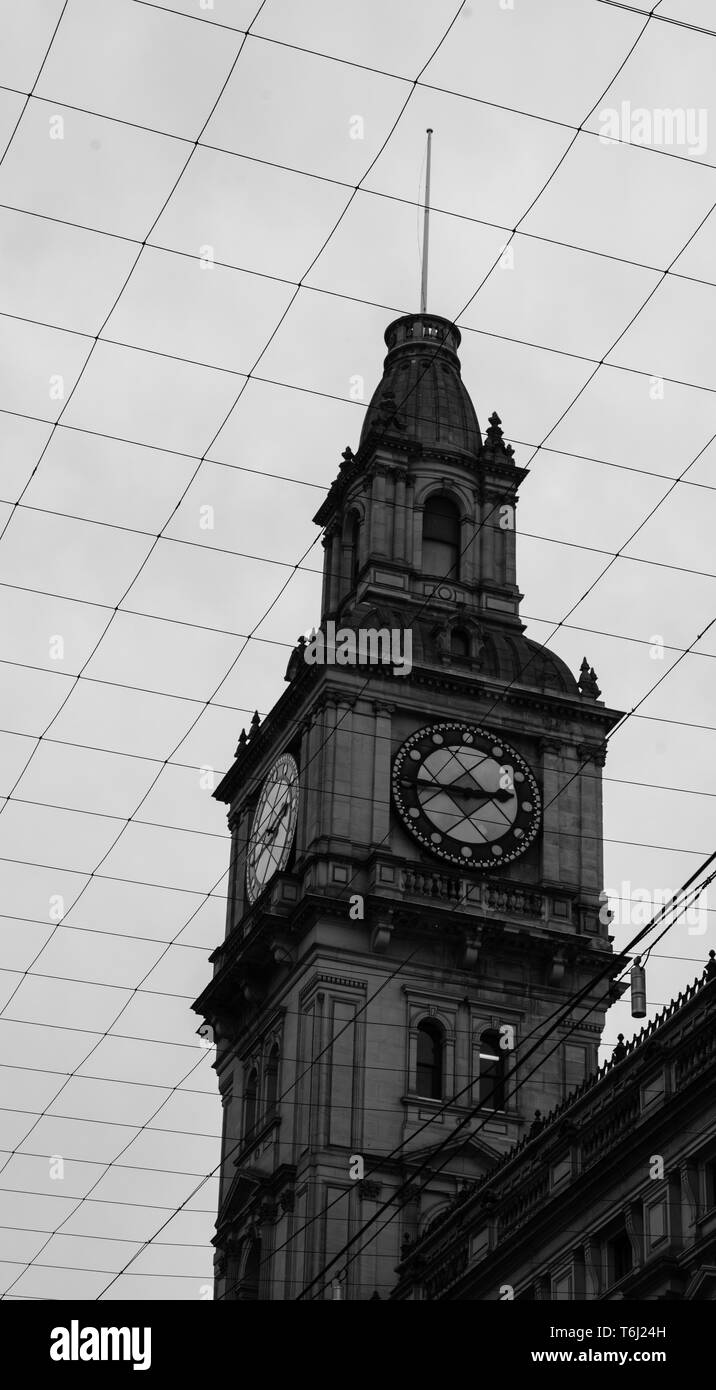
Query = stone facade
x=329 y=982
x=614 y=1196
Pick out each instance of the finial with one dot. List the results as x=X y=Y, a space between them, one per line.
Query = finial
x=588 y=681
x=710 y=969
x=426 y=229
x=348 y=456
x=254 y=725
x=619 y=1049
x=537 y=1124
x=495 y=439
x=241 y=743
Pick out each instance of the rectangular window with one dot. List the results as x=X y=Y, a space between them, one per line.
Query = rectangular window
x=620 y=1257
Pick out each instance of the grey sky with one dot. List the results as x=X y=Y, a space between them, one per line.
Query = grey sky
x=138 y=1121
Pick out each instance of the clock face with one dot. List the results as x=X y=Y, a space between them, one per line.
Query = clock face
x=273 y=826
x=466 y=794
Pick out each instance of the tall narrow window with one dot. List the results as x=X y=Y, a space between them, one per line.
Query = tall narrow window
x=250 y=1099
x=492 y=1071
x=460 y=643
x=429 y=1075
x=441 y=538
x=272 y=1079
x=620 y=1257
x=355 y=550
x=249 y=1287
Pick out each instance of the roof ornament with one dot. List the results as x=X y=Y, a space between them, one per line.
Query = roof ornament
x=619 y=1049
x=495 y=438
x=588 y=681
x=538 y=1123
x=254 y=725
x=387 y=416
x=297 y=659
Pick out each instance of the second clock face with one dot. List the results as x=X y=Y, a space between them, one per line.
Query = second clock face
x=466 y=794
x=273 y=826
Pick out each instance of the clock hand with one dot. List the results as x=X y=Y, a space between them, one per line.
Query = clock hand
x=470 y=793
x=277 y=819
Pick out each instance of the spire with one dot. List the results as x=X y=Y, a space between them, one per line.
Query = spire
x=426 y=230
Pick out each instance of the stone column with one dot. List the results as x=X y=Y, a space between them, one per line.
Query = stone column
x=550 y=750
x=334 y=570
x=399 y=518
x=381 y=774
x=379 y=540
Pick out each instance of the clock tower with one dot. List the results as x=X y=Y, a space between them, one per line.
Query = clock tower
x=416 y=865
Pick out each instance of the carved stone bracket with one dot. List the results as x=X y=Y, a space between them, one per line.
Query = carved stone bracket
x=287 y=1200
x=471 y=951
x=591 y=752
x=559 y=963
x=381 y=933
x=368 y=1191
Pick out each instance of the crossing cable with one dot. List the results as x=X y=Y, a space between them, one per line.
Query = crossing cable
x=275 y=330
x=663 y=18
x=349 y=299
x=449 y=1103
x=261 y=354
x=402 y=963
x=343 y=400
x=427 y=1164
x=271 y=641
x=533 y=205
x=444 y=1143
x=241 y=841
x=309 y=569
x=581 y=390
x=622 y=721
x=29 y=95
x=96 y=336
x=240 y=1144
x=216 y=835
x=61 y=1115
x=447 y=91
x=99 y=1179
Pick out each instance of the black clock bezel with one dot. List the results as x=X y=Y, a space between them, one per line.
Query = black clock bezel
x=504 y=848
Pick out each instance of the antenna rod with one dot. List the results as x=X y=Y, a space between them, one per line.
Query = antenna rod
x=426 y=231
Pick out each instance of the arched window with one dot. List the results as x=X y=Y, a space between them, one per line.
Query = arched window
x=250 y=1099
x=460 y=643
x=441 y=538
x=248 y=1291
x=272 y=1079
x=429 y=1072
x=492 y=1071
x=355 y=550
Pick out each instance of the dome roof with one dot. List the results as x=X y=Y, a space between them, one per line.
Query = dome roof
x=516 y=658
x=421 y=395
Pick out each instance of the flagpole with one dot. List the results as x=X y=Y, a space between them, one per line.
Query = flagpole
x=426 y=230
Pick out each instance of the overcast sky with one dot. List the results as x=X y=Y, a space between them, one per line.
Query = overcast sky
x=124 y=370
